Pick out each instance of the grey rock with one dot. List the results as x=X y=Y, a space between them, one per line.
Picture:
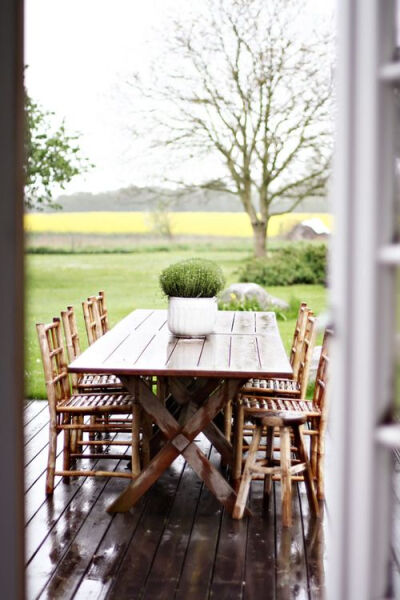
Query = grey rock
x=251 y=291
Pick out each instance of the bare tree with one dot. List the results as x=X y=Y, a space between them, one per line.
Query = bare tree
x=244 y=83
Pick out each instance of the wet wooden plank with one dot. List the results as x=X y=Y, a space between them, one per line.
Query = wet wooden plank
x=195 y=578
x=225 y=321
x=67 y=578
x=33 y=409
x=260 y=552
x=266 y=323
x=148 y=348
x=136 y=564
x=291 y=580
x=315 y=536
x=273 y=358
x=176 y=540
x=73 y=539
x=168 y=560
x=245 y=322
x=216 y=352
x=38 y=423
x=97 y=353
x=186 y=353
x=131 y=349
x=228 y=577
x=105 y=563
x=244 y=354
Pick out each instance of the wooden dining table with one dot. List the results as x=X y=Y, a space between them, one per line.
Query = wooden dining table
x=201 y=376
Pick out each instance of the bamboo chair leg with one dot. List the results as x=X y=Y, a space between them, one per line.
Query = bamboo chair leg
x=92 y=434
x=146 y=435
x=314 y=443
x=67 y=449
x=136 y=439
x=320 y=467
x=51 y=461
x=286 y=478
x=106 y=434
x=240 y=504
x=308 y=475
x=228 y=420
x=238 y=444
x=269 y=454
x=74 y=437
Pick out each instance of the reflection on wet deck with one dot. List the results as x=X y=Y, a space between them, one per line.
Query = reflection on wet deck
x=176 y=543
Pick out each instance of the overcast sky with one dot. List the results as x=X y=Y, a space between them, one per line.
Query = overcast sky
x=79 y=54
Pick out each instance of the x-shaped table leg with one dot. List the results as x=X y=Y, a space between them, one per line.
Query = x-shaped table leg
x=211 y=397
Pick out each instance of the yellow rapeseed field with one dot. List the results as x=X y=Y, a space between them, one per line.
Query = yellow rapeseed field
x=182 y=223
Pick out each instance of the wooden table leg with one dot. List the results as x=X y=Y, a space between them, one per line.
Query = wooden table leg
x=147 y=477
x=180 y=440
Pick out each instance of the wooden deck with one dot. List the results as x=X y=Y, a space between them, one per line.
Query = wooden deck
x=177 y=543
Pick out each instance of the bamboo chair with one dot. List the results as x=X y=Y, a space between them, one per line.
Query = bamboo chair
x=69 y=413
x=291 y=387
x=287 y=422
x=95 y=315
x=315 y=411
x=298 y=388
x=87 y=382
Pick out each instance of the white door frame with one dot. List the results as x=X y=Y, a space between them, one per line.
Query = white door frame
x=362 y=303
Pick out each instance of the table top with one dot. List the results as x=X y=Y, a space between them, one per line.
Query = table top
x=244 y=345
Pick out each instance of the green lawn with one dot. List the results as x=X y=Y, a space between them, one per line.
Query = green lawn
x=130 y=281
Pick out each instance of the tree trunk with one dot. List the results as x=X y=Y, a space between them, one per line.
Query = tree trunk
x=260 y=238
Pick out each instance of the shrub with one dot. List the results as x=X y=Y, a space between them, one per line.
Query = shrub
x=192 y=278
x=253 y=305
x=295 y=263
x=236 y=303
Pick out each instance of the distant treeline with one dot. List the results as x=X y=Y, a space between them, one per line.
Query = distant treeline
x=150 y=199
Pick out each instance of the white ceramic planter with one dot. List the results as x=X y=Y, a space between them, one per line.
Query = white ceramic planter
x=192 y=317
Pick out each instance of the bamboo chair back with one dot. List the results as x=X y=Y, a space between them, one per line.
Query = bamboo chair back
x=92 y=319
x=319 y=398
x=71 y=334
x=305 y=355
x=298 y=337
x=95 y=314
x=54 y=364
x=103 y=312
x=72 y=343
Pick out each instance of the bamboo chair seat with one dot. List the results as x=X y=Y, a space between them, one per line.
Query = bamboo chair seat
x=90 y=382
x=100 y=402
x=272 y=386
x=265 y=404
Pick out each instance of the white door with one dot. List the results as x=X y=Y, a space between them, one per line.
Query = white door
x=365 y=260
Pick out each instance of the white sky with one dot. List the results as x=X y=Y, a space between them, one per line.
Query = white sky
x=79 y=55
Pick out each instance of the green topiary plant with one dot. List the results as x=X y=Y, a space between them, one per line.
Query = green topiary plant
x=192 y=278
